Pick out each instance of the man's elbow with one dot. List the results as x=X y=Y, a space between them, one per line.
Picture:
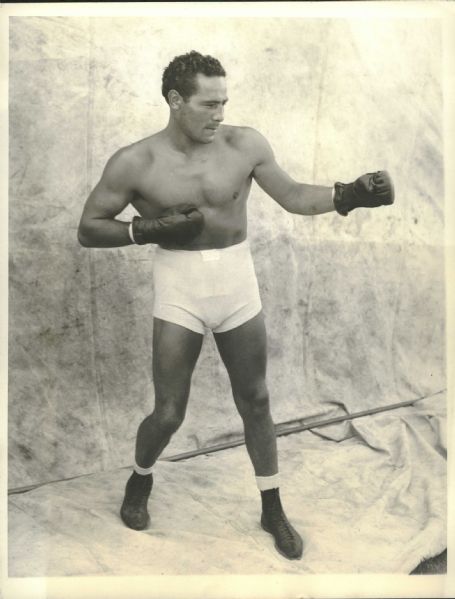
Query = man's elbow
x=83 y=238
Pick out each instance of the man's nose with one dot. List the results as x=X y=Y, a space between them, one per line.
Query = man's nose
x=219 y=115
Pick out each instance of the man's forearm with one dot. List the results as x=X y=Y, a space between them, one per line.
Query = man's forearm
x=104 y=233
x=367 y=191
x=180 y=225
x=310 y=199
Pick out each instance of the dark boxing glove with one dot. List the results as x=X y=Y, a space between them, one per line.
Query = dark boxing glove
x=368 y=191
x=179 y=225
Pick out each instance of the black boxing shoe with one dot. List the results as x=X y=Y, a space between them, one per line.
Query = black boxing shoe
x=134 y=507
x=273 y=520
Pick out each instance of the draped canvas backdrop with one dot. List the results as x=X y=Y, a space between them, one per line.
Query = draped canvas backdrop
x=354 y=306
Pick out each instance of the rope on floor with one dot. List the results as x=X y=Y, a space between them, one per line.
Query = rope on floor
x=285 y=428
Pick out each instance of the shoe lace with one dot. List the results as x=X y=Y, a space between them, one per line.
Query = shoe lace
x=281 y=523
x=285 y=527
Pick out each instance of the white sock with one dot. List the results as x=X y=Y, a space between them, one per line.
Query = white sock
x=142 y=471
x=265 y=483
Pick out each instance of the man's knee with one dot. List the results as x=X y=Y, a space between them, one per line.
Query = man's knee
x=169 y=418
x=254 y=402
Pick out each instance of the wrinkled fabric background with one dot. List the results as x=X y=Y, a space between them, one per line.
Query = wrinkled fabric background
x=354 y=306
x=374 y=503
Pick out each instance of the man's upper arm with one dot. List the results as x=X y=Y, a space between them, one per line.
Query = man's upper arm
x=113 y=192
x=267 y=172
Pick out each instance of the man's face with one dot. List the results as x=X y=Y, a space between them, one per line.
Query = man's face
x=202 y=113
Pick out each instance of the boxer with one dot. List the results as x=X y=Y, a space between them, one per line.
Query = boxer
x=190 y=183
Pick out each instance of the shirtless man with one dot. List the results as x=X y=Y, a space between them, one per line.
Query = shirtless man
x=190 y=183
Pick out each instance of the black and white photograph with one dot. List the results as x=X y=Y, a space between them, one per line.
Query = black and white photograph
x=227 y=298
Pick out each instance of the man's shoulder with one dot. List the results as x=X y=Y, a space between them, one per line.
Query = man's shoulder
x=128 y=159
x=136 y=152
x=248 y=141
x=236 y=134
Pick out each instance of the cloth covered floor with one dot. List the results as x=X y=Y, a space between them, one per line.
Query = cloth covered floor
x=373 y=503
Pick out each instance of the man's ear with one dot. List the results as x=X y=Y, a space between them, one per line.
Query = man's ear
x=175 y=99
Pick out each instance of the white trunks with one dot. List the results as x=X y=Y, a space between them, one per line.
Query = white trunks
x=206 y=289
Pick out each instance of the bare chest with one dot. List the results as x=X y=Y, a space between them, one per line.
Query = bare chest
x=212 y=181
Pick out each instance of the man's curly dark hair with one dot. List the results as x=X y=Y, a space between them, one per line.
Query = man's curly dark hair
x=180 y=74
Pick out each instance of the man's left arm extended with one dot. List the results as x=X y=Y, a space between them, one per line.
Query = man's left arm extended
x=368 y=191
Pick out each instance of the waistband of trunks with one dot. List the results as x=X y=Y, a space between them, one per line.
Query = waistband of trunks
x=206 y=254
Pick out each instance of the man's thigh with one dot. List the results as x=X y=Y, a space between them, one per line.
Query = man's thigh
x=244 y=353
x=175 y=353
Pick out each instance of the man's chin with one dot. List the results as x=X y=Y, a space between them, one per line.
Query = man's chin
x=206 y=140
x=210 y=134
